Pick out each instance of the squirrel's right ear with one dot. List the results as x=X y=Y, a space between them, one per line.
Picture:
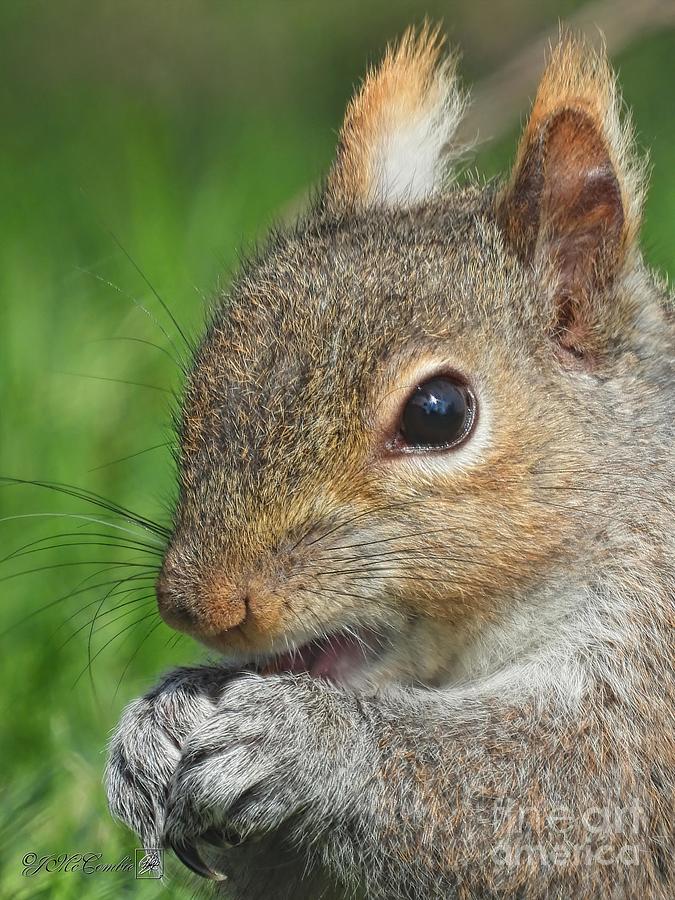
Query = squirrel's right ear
x=396 y=140
x=572 y=206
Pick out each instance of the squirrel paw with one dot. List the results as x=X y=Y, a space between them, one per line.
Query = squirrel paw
x=146 y=746
x=270 y=755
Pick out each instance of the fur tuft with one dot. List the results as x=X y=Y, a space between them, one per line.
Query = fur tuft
x=395 y=143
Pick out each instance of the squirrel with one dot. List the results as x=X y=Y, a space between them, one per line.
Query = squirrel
x=425 y=518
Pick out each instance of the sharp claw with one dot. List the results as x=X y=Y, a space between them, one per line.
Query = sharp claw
x=189 y=856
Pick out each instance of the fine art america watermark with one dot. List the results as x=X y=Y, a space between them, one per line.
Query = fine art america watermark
x=558 y=836
x=550 y=836
x=148 y=863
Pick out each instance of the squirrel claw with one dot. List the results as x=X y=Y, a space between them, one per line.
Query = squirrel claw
x=189 y=856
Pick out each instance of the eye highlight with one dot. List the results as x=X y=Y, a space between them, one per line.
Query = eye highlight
x=439 y=414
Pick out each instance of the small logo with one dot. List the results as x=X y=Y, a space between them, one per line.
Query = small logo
x=149 y=862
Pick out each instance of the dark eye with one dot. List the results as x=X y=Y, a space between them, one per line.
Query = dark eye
x=439 y=414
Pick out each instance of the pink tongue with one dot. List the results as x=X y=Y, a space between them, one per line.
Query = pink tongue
x=335 y=657
x=325 y=658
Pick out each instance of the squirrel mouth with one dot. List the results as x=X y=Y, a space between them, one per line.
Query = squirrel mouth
x=335 y=657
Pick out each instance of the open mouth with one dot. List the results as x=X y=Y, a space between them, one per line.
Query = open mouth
x=336 y=657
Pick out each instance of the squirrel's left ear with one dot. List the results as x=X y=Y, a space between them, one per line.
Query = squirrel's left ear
x=572 y=206
x=396 y=140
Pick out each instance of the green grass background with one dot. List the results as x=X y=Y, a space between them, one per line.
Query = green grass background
x=181 y=131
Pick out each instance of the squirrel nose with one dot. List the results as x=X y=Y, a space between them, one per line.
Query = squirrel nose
x=172 y=605
x=206 y=610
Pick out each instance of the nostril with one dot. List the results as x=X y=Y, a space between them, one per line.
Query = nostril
x=163 y=591
x=172 y=605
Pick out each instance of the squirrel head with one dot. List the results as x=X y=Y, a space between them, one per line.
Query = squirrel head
x=390 y=421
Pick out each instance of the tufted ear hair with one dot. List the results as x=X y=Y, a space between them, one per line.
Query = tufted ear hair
x=395 y=142
x=573 y=202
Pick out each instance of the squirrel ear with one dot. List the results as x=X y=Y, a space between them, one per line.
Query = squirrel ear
x=395 y=140
x=575 y=195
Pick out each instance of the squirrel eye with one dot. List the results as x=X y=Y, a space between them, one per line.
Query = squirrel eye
x=439 y=414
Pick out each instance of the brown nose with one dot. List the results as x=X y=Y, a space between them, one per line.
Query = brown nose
x=173 y=606
x=202 y=610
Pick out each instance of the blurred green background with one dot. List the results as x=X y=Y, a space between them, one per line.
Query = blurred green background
x=152 y=142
